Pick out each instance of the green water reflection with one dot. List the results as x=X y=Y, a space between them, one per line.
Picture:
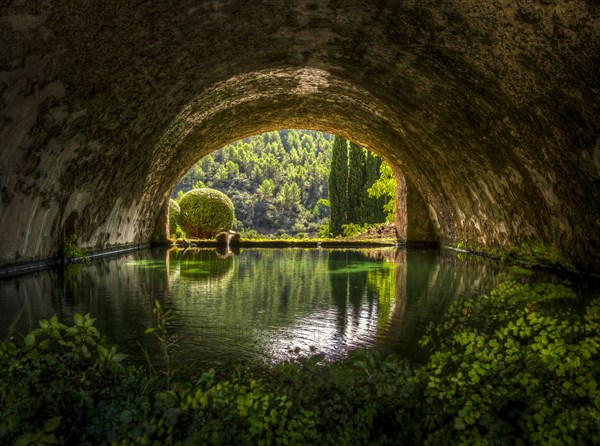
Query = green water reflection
x=265 y=305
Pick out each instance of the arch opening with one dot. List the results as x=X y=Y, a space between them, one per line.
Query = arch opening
x=279 y=184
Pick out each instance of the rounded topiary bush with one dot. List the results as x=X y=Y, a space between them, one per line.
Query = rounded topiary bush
x=174 y=212
x=205 y=212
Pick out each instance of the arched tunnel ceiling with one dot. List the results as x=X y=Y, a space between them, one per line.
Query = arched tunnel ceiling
x=491 y=109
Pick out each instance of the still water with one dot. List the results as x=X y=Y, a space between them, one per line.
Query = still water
x=263 y=305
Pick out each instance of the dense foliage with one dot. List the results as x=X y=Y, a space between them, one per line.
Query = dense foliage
x=385 y=187
x=205 y=212
x=512 y=367
x=275 y=180
x=515 y=367
x=354 y=170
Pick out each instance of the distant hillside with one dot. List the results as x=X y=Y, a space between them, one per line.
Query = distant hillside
x=275 y=180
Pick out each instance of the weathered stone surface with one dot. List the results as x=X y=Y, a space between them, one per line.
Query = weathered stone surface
x=491 y=109
x=413 y=220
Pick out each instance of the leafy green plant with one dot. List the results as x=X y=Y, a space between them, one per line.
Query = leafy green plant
x=538 y=254
x=351 y=229
x=324 y=231
x=51 y=379
x=385 y=186
x=71 y=250
x=506 y=369
x=167 y=341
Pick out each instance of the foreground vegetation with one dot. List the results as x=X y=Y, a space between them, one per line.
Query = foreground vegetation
x=512 y=367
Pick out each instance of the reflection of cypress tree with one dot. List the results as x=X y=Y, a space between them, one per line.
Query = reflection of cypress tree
x=338 y=186
x=357 y=194
x=357 y=284
x=382 y=282
x=339 y=286
x=349 y=284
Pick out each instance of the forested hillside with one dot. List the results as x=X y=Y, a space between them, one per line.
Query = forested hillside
x=281 y=183
x=275 y=180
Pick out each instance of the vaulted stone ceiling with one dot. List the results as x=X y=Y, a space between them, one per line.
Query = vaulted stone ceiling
x=491 y=109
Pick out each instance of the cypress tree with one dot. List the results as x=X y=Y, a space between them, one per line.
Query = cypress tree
x=357 y=196
x=338 y=186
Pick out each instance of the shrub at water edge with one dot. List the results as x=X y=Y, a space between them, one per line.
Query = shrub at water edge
x=205 y=212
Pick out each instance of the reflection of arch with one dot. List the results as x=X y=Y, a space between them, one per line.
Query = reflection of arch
x=491 y=120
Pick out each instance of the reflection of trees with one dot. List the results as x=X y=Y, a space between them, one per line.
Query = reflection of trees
x=340 y=288
x=427 y=282
x=118 y=292
x=259 y=301
x=365 y=280
x=383 y=283
x=361 y=289
x=268 y=285
x=269 y=291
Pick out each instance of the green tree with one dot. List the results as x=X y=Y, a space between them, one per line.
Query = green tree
x=353 y=205
x=221 y=176
x=385 y=187
x=290 y=205
x=357 y=194
x=338 y=186
x=266 y=189
x=289 y=196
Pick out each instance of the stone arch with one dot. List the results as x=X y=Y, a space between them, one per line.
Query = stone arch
x=491 y=110
x=218 y=108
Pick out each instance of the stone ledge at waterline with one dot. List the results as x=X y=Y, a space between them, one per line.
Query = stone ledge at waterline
x=300 y=243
